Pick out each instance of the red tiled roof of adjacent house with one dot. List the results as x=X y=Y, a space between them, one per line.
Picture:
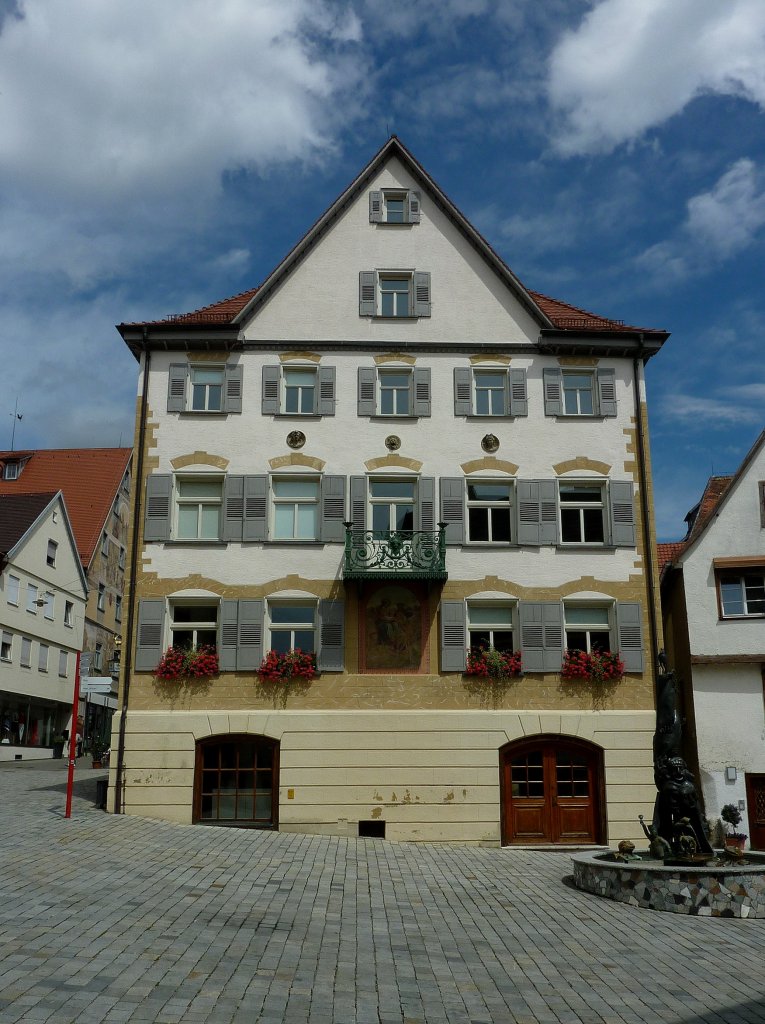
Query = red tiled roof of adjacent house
x=669 y=552
x=222 y=312
x=17 y=513
x=88 y=477
x=710 y=499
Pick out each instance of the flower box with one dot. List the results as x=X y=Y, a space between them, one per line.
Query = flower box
x=187 y=663
x=488 y=663
x=593 y=667
x=287 y=665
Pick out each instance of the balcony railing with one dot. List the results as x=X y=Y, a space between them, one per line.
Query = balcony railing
x=404 y=554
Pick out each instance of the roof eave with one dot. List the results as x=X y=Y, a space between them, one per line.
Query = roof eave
x=623 y=342
x=180 y=337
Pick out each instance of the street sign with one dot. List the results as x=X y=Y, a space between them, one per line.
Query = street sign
x=96 y=684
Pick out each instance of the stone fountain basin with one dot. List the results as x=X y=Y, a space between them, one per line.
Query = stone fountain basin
x=725 y=891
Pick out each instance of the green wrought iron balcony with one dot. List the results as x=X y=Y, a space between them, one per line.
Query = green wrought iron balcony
x=395 y=555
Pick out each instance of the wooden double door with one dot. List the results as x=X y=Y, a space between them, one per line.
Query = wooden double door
x=551 y=792
x=755 y=801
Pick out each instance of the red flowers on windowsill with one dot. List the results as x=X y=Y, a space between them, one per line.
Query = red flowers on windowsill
x=488 y=663
x=594 y=667
x=278 y=667
x=187 y=663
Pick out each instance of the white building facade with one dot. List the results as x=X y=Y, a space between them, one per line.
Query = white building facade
x=389 y=455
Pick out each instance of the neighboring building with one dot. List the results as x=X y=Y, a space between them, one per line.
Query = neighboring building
x=301 y=449
x=96 y=485
x=42 y=605
x=713 y=602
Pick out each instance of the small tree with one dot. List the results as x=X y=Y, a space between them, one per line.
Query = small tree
x=731 y=815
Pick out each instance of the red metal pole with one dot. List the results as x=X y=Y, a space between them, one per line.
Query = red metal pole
x=73 y=739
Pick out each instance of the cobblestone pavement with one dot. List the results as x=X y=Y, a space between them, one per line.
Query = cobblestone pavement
x=106 y=918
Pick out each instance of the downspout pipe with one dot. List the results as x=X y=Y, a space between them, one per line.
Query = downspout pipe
x=127 y=663
x=645 y=511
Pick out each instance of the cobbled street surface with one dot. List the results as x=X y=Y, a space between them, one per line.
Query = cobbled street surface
x=106 y=918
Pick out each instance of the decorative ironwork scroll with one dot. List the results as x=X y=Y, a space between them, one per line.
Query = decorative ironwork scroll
x=412 y=554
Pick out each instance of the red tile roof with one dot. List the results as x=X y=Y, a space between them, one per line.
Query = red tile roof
x=89 y=478
x=17 y=513
x=669 y=552
x=713 y=493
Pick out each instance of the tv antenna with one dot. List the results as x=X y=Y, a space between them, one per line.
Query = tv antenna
x=16 y=417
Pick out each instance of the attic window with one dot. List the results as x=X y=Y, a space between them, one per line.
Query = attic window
x=11 y=471
x=394 y=206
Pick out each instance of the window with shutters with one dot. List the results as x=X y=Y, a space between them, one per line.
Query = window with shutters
x=588 y=628
x=742 y=593
x=291 y=626
x=579 y=392
x=193 y=624
x=296 y=508
x=400 y=391
x=204 y=388
x=490 y=391
x=394 y=294
x=490 y=511
x=298 y=390
x=582 y=513
x=394 y=206
x=198 y=508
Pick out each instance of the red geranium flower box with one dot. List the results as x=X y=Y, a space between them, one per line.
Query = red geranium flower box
x=284 y=666
x=592 y=666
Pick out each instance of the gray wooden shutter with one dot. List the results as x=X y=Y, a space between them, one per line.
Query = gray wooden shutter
x=606 y=392
x=326 y=398
x=629 y=627
x=453 y=508
x=367 y=388
x=421 y=405
x=331 y=655
x=553 y=389
x=537 y=511
x=232 y=395
x=249 y=653
x=228 y=635
x=375 y=206
x=332 y=508
x=453 y=636
x=621 y=506
x=233 y=507
x=176 y=387
x=519 y=405
x=426 y=504
x=151 y=621
x=255 y=507
x=463 y=387
x=159 y=493
x=359 y=503
x=367 y=292
x=422 y=293
x=270 y=402
x=541 y=635
x=413 y=213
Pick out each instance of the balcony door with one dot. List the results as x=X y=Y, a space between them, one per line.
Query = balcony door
x=551 y=792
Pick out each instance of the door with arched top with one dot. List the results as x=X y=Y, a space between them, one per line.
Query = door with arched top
x=552 y=791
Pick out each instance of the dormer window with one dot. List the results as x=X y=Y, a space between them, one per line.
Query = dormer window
x=11 y=471
x=394 y=206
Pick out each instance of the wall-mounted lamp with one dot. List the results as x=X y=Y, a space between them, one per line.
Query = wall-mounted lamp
x=730 y=773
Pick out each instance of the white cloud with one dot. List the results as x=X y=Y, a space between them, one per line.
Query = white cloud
x=703 y=411
x=632 y=64
x=719 y=223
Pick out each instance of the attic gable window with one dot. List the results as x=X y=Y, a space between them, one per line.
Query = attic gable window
x=394 y=206
x=11 y=471
x=394 y=294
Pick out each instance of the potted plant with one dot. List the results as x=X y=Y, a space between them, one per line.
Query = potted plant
x=489 y=663
x=731 y=815
x=187 y=663
x=287 y=665
x=97 y=751
x=592 y=666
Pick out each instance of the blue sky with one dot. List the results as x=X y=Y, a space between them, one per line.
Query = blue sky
x=155 y=157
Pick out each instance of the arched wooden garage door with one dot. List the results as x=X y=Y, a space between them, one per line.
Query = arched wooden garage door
x=237 y=781
x=552 y=791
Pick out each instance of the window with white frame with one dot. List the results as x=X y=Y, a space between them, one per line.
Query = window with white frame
x=6 y=646
x=193 y=624
x=32 y=598
x=394 y=206
x=490 y=624
x=11 y=471
x=392 y=505
x=198 y=504
x=13 y=587
x=578 y=392
x=582 y=512
x=742 y=593
x=394 y=294
x=292 y=626
x=49 y=607
x=68 y=613
x=63 y=663
x=98 y=657
x=26 y=652
x=50 y=556
x=101 y=599
x=206 y=388
x=490 y=392
x=490 y=511
x=299 y=390
x=587 y=627
x=42 y=658
x=296 y=508
x=395 y=392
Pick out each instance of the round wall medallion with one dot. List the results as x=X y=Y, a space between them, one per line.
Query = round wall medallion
x=392 y=443
x=296 y=439
x=490 y=442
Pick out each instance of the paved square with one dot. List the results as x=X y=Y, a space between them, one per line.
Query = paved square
x=106 y=918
